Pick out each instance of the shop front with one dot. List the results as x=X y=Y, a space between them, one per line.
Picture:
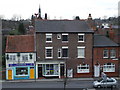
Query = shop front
x=20 y=71
x=50 y=70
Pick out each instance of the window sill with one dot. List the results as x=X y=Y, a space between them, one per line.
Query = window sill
x=80 y=57
x=82 y=72
x=105 y=58
x=48 y=57
x=64 y=41
x=81 y=41
x=48 y=41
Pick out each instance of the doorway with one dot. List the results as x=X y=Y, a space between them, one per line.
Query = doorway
x=40 y=70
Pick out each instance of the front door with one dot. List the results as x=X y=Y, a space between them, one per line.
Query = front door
x=32 y=74
x=40 y=70
x=96 y=70
x=70 y=73
x=9 y=74
x=62 y=69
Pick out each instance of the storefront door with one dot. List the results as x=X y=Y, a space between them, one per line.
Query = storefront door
x=32 y=74
x=9 y=74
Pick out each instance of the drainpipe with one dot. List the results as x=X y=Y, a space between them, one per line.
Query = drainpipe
x=35 y=51
x=93 y=55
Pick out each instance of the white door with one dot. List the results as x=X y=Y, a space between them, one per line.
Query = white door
x=70 y=73
x=96 y=70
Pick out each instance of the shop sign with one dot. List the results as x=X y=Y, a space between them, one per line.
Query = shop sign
x=21 y=64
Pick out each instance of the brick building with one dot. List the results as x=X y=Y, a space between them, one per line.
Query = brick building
x=106 y=56
x=20 y=57
x=64 y=47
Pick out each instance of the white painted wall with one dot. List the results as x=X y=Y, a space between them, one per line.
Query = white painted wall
x=19 y=60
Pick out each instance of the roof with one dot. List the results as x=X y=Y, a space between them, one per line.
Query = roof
x=20 y=43
x=103 y=41
x=61 y=26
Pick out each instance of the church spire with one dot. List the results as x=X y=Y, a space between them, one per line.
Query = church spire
x=39 y=12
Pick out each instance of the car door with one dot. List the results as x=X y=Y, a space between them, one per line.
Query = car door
x=104 y=83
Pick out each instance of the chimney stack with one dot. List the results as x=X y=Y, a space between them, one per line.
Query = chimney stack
x=89 y=17
x=45 y=16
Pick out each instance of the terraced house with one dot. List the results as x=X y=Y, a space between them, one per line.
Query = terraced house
x=64 y=48
x=20 y=57
x=106 y=56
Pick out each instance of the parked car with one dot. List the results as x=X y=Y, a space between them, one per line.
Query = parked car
x=108 y=82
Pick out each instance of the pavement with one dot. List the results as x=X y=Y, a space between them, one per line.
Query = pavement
x=69 y=79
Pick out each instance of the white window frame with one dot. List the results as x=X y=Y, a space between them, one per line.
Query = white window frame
x=12 y=57
x=80 y=47
x=48 y=34
x=62 y=37
x=58 y=36
x=107 y=53
x=23 y=74
x=113 y=53
x=64 y=47
x=59 y=52
x=46 y=52
x=109 y=68
x=55 y=70
x=79 y=70
x=25 y=57
x=83 y=37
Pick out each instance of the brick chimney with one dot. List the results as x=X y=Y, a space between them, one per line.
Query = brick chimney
x=45 y=16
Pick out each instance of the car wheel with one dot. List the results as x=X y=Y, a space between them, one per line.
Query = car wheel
x=98 y=86
x=113 y=86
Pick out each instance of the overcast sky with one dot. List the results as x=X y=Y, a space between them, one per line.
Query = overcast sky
x=64 y=9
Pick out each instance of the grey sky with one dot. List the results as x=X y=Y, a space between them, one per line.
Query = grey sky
x=64 y=9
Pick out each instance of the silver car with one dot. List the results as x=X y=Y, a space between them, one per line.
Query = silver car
x=108 y=82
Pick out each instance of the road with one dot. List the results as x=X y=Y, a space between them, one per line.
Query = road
x=81 y=85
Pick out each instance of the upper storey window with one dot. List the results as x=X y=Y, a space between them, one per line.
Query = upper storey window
x=65 y=37
x=81 y=37
x=48 y=37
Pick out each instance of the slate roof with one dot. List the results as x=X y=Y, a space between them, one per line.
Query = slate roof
x=61 y=26
x=20 y=43
x=103 y=41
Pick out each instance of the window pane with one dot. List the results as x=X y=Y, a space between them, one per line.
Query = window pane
x=80 y=37
x=112 y=53
x=48 y=52
x=48 y=37
x=64 y=37
x=105 y=53
x=22 y=71
x=65 y=52
x=59 y=53
x=81 y=52
x=24 y=57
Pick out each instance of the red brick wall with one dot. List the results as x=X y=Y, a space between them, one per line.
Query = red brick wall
x=98 y=58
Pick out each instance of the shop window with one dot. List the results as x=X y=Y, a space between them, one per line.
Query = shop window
x=50 y=70
x=22 y=71
x=83 y=68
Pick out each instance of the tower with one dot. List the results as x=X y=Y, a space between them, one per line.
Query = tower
x=39 y=13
